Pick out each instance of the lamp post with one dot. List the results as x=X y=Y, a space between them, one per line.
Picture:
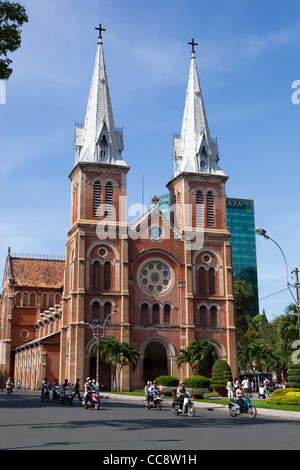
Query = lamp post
x=97 y=336
x=263 y=233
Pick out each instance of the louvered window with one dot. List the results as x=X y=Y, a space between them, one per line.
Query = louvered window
x=97 y=199
x=144 y=314
x=167 y=314
x=96 y=275
x=107 y=312
x=210 y=209
x=202 y=280
x=107 y=275
x=213 y=316
x=202 y=315
x=175 y=218
x=212 y=281
x=199 y=209
x=179 y=211
x=155 y=312
x=96 y=312
x=109 y=200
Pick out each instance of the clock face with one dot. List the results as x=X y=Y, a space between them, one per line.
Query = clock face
x=155 y=233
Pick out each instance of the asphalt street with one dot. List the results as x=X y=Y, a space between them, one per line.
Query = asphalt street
x=29 y=424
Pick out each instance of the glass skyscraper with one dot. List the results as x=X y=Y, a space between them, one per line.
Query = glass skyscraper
x=241 y=225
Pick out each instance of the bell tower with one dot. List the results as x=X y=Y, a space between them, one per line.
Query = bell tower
x=198 y=209
x=95 y=283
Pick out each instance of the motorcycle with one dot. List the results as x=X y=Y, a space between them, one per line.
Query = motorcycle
x=247 y=408
x=45 y=394
x=67 y=396
x=56 y=392
x=156 y=402
x=93 y=400
x=187 y=408
x=9 y=389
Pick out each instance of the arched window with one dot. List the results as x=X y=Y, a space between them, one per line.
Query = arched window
x=167 y=314
x=210 y=209
x=174 y=211
x=109 y=200
x=107 y=312
x=25 y=299
x=212 y=281
x=51 y=300
x=144 y=314
x=203 y=315
x=107 y=275
x=201 y=280
x=199 y=209
x=96 y=275
x=96 y=312
x=155 y=312
x=213 y=316
x=97 y=199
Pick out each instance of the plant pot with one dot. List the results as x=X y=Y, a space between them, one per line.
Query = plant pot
x=167 y=390
x=197 y=392
x=222 y=392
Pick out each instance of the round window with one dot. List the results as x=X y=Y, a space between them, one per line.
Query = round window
x=155 y=277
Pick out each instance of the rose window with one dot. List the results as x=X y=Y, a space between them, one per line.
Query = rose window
x=155 y=277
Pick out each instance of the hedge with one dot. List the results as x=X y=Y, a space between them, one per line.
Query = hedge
x=167 y=381
x=197 y=381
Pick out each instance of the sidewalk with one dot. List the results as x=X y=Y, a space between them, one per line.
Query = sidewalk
x=280 y=414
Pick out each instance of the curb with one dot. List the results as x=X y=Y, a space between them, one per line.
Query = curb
x=280 y=414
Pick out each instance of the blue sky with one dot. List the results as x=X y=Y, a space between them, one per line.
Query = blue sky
x=247 y=58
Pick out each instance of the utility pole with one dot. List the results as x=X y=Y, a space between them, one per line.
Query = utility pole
x=296 y=271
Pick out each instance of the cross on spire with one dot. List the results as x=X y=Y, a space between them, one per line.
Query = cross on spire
x=100 y=29
x=193 y=44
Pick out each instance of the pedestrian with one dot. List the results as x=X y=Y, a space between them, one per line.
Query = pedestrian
x=262 y=391
x=252 y=386
x=19 y=389
x=235 y=385
x=229 y=389
x=76 y=390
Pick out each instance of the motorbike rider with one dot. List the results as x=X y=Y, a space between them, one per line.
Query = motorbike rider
x=45 y=385
x=54 y=385
x=240 y=398
x=9 y=383
x=151 y=390
x=181 y=393
x=88 y=386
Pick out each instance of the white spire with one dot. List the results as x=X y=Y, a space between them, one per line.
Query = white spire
x=98 y=141
x=194 y=151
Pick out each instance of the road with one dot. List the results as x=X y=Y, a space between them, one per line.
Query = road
x=29 y=424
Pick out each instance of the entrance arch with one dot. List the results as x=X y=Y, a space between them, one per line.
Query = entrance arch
x=158 y=355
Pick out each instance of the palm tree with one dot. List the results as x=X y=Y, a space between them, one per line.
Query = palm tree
x=129 y=357
x=255 y=356
x=198 y=354
x=114 y=352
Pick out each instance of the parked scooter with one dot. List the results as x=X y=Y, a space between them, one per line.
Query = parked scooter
x=156 y=402
x=247 y=408
x=93 y=400
x=187 y=408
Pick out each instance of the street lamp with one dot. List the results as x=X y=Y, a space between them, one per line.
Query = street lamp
x=263 y=233
x=108 y=316
x=97 y=336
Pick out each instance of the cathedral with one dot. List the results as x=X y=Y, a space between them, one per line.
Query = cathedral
x=159 y=282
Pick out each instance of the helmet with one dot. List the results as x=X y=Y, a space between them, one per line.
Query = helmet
x=181 y=383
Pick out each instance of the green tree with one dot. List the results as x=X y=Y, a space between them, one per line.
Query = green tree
x=199 y=354
x=117 y=353
x=244 y=298
x=12 y=16
x=256 y=357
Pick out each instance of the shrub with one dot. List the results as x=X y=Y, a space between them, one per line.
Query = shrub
x=197 y=381
x=289 y=398
x=167 y=381
x=294 y=374
x=220 y=374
